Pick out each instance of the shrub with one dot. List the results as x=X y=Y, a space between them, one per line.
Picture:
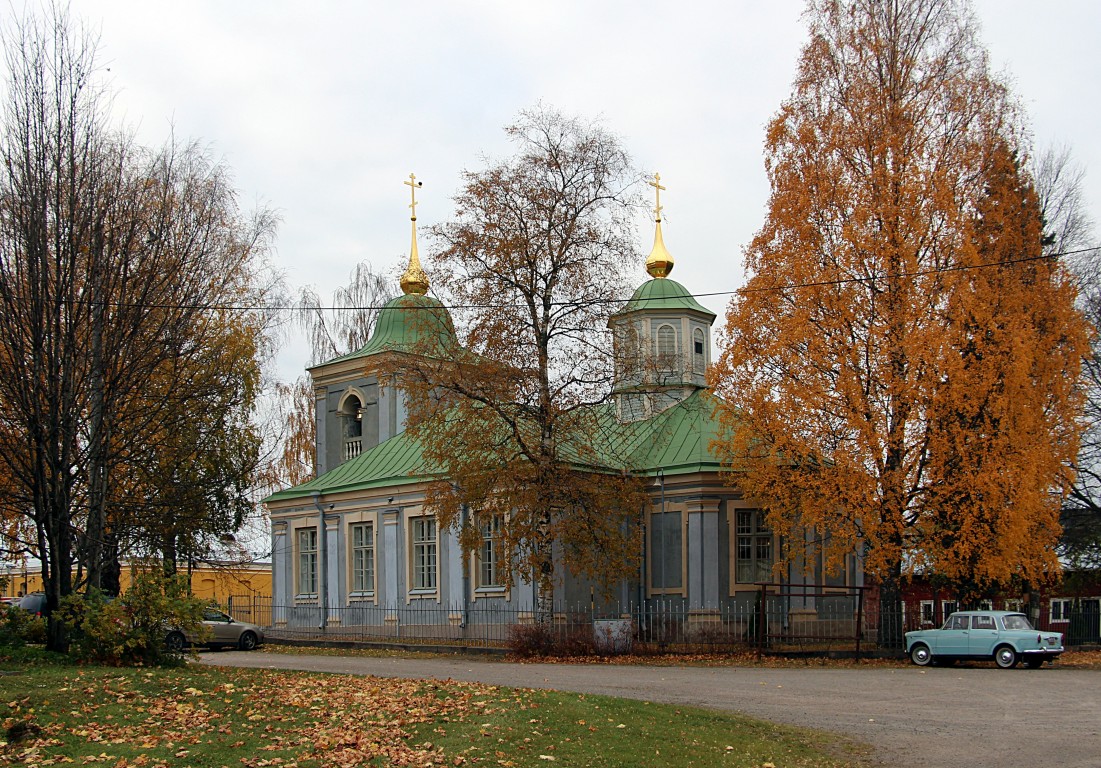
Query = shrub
x=578 y=641
x=528 y=640
x=19 y=627
x=132 y=628
x=531 y=640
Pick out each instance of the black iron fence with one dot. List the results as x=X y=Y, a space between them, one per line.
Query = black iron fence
x=782 y=619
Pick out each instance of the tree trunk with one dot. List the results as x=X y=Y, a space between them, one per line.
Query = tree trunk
x=111 y=573
x=544 y=579
x=890 y=610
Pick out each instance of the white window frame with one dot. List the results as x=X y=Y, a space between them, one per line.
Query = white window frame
x=928 y=615
x=630 y=360
x=757 y=535
x=1062 y=615
x=305 y=562
x=424 y=556
x=362 y=549
x=699 y=359
x=948 y=607
x=488 y=560
x=666 y=350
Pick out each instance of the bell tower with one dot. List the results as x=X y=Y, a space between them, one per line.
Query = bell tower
x=662 y=337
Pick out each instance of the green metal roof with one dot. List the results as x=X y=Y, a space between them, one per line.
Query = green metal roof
x=396 y=461
x=678 y=440
x=675 y=441
x=409 y=323
x=663 y=293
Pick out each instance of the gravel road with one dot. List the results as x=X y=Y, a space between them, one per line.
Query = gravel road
x=980 y=717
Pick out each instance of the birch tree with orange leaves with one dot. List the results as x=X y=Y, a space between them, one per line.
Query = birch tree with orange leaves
x=519 y=420
x=899 y=375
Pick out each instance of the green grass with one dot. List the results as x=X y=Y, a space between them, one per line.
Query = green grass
x=197 y=716
x=583 y=730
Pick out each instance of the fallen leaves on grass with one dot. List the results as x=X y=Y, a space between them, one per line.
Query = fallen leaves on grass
x=340 y=721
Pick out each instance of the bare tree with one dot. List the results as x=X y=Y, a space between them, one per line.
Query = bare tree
x=340 y=328
x=346 y=324
x=128 y=291
x=533 y=260
x=1069 y=232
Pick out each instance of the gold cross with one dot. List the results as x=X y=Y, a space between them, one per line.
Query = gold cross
x=656 y=184
x=413 y=184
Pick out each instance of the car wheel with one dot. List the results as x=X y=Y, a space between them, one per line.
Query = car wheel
x=247 y=641
x=921 y=655
x=1005 y=657
x=175 y=642
x=1034 y=663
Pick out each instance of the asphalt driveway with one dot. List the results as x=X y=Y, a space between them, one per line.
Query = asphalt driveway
x=980 y=717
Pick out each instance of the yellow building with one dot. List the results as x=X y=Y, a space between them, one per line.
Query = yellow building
x=218 y=582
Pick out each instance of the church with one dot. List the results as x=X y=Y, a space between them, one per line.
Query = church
x=355 y=548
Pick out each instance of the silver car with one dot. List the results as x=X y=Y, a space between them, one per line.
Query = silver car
x=223 y=631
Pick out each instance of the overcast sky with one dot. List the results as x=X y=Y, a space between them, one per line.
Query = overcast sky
x=323 y=109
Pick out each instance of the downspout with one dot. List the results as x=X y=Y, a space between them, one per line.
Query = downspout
x=322 y=562
x=463 y=512
x=642 y=570
x=661 y=480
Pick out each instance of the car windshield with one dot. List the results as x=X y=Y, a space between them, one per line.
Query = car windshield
x=1016 y=621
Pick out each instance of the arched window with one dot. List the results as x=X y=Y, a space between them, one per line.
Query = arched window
x=629 y=353
x=698 y=360
x=351 y=414
x=667 y=341
x=352 y=411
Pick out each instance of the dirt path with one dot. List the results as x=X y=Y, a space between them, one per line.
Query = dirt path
x=913 y=718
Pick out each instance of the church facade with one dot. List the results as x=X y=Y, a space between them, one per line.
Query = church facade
x=356 y=546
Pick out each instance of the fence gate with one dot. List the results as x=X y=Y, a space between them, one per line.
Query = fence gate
x=806 y=617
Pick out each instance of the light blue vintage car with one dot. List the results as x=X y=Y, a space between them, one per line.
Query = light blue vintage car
x=1004 y=636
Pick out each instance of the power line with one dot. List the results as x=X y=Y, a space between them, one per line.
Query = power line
x=738 y=291
x=764 y=289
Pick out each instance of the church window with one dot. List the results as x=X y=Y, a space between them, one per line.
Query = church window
x=306 y=544
x=629 y=355
x=754 y=547
x=363 y=558
x=423 y=558
x=666 y=551
x=489 y=560
x=351 y=412
x=667 y=341
x=698 y=361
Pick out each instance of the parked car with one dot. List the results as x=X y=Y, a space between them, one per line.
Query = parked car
x=223 y=631
x=35 y=602
x=1004 y=636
